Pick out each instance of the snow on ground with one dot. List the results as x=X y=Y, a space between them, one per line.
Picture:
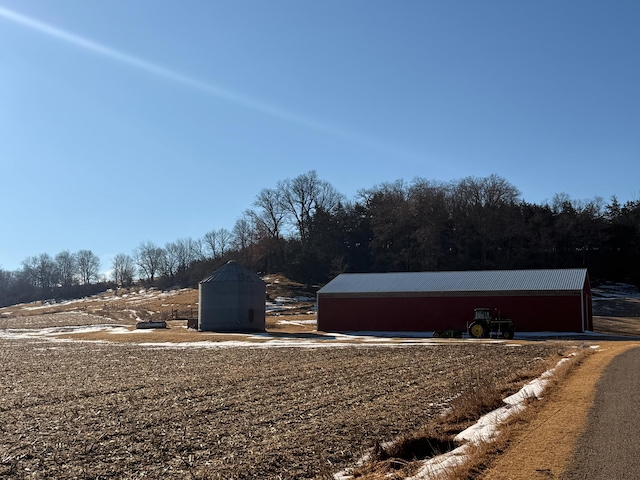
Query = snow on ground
x=133 y=297
x=610 y=291
x=280 y=304
x=260 y=340
x=299 y=323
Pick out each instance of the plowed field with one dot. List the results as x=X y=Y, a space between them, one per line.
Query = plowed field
x=72 y=409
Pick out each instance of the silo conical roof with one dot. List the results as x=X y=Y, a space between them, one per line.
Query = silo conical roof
x=232 y=271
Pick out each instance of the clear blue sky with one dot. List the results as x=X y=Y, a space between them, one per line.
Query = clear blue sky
x=126 y=121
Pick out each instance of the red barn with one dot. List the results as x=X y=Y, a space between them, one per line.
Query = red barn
x=536 y=300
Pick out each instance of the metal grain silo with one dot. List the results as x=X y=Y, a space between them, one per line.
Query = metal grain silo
x=232 y=299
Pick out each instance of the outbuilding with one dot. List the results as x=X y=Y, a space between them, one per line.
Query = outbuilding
x=555 y=300
x=232 y=299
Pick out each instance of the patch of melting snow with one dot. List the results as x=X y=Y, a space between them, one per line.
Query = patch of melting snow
x=53 y=332
x=615 y=290
x=275 y=343
x=53 y=304
x=133 y=314
x=279 y=300
x=296 y=322
x=126 y=331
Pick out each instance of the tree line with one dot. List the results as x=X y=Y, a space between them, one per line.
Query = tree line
x=303 y=227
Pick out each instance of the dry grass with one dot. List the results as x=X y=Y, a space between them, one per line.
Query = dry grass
x=402 y=458
x=481 y=456
x=122 y=305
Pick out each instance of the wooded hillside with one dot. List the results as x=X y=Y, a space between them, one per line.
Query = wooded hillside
x=306 y=229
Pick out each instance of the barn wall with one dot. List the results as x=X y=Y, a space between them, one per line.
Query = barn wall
x=529 y=313
x=588 y=305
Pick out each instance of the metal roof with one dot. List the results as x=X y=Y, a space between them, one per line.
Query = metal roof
x=465 y=281
x=232 y=271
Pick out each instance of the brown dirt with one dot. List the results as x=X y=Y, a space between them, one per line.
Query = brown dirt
x=93 y=410
x=628 y=326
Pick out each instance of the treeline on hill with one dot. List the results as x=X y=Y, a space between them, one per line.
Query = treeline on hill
x=306 y=229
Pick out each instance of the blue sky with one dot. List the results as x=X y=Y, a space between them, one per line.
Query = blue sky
x=122 y=121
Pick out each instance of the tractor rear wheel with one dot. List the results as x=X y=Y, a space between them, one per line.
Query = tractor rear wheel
x=478 y=329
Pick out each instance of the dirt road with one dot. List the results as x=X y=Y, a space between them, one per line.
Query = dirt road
x=609 y=445
x=545 y=447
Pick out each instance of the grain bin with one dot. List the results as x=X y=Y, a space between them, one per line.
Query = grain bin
x=232 y=299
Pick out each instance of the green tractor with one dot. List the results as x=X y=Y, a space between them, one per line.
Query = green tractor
x=484 y=325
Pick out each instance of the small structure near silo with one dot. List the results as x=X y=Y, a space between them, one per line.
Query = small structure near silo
x=151 y=324
x=232 y=299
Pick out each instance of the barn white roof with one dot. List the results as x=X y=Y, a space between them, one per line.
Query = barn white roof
x=477 y=282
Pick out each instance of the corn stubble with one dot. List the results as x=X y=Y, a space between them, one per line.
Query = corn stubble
x=95 y=410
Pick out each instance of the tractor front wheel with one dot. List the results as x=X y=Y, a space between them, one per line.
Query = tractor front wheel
x=478 y=329
x=508 y=334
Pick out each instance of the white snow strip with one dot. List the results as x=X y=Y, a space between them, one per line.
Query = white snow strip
x=487 y=426
x=296 y=322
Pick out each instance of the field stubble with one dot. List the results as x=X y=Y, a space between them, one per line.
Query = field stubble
x=94 y=410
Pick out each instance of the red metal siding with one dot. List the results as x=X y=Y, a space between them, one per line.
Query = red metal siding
x=529 y=313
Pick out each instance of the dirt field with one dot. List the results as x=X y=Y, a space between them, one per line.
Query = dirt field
x=71 y=409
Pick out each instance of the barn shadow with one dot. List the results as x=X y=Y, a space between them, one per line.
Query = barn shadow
x=296 y=335
x=587 y=337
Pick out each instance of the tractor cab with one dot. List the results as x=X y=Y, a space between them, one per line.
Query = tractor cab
x=481 y=314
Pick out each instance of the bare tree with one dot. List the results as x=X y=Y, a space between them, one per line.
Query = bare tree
x=244 y=235
x=170 y=259
x=67 y=265
x=179 y=255
x=197 y=249
x=223 y=241
x=40 y=271
x=270 y=214
x=28 y=272
x=123 y=269
x=88 y=266
x=210 y=242
x=481 y=207
x=302 y=196
x=5 y=280
x=186 y=250
x=149 y=258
